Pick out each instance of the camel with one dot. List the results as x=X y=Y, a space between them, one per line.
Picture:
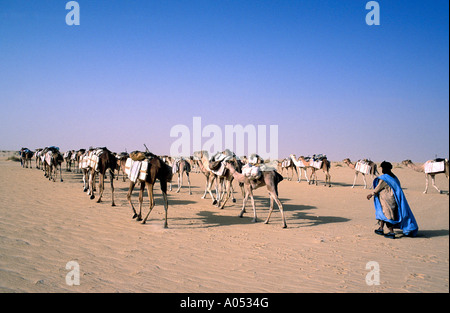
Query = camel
x=37 y=156
x=373 y=171
x=223 y=181
x=421 y=169
x=25 y=157
x=300 y=165
x=52 y=158
x=157 y=169
x=203 y=164
x=121 y=161
x=224 y=178
x=287 y=165
x=68 y=159
x=325 y=166
x=270 y=179
x=106 y=160
x=181 y=166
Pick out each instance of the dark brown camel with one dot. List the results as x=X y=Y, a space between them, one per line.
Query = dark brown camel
x=107 y=160
x=157 y=169
x=25 y=157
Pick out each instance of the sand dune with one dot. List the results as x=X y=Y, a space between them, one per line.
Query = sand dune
x=328 y=242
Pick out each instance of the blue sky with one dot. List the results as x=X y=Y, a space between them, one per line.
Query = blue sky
x=133 y=69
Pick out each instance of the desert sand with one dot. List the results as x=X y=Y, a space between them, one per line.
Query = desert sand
x=329 y=240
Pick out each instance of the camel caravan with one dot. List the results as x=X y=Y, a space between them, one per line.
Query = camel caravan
x=220 y=170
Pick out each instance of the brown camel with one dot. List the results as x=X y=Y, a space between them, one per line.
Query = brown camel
x=203 y=163
x=421 y=169
x=106 y=160
x=300 y=165
x=372 y=172
x=288 y=165
x=223 y=181
x=325 y=166
x=157 y=169
x=270 y=179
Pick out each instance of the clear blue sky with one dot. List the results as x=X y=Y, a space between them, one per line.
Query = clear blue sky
x=133 y=69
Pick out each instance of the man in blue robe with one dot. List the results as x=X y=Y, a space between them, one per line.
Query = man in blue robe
x=391 y=206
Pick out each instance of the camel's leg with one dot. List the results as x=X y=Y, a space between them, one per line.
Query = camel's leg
x=189 y=183
x=206 y=189
x=244 y=202
x=180 y=180
x=101 y=178
x=91 y=183
x=232 y=194
x=280 y=207
x=329 y=179
x=130 y=191
x=270 y=209
x=141 y=200
x=354 y=180
x=151 y=199
x=426 y=183
x=254 y=207
x=227 y=194
x=365 y=182
x=85 y=181
x=433 y=183
x=166 y=203
x=112 y=187
x=211 y=179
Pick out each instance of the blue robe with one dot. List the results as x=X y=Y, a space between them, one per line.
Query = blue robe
x=406 y=221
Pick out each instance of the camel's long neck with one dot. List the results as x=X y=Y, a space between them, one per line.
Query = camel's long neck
x=416 y=167
x=351 y=165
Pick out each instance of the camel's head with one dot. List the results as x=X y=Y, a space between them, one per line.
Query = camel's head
x=346 y=161
x=406 y=162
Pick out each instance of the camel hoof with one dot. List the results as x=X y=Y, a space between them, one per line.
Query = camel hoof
x=254 y=220
x=214 y=202
x=234 y=200
x=99 y=200
x=284 y=226
x=92 y=197
x=113 y=204
x=140 y=219
x=134 y=216
x=85 y=189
